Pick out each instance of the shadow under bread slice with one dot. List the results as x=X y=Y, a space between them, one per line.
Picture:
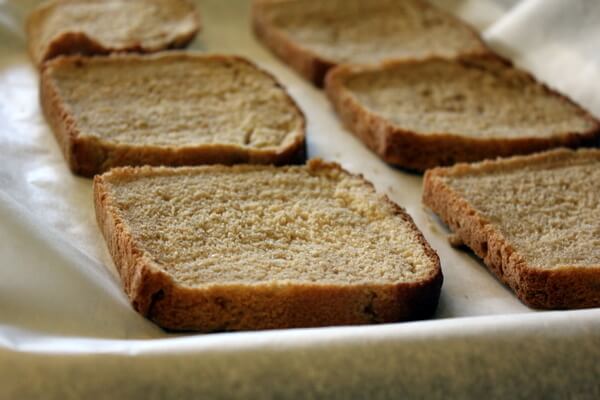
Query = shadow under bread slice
x=63 y=27
x=420 y=114
x=313 y=36
x=534 y=220
x=168 y=109
x=219 y=248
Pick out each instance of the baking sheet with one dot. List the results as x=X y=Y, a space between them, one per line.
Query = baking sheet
x=67 y=330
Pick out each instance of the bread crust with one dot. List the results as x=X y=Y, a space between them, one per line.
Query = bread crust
x=313 y=66
x=79 y=42
x=225 y=307
x=307 y=63
x=418 y=152
x=560 y=288
x=89 y=155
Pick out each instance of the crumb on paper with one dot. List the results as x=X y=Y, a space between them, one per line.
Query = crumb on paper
x=455 y=240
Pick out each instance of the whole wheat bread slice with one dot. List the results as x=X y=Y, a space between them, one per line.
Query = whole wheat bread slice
x=242 y=247
x=168 y=109
x=420 y=114
x=534 y=220
x=63 y=27
x=314 y=35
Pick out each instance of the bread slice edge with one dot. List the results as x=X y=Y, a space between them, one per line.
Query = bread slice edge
x=308 y=64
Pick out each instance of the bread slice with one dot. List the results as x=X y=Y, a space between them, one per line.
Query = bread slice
x=168 y=109
x=434 y=112
x=61 y=27
x=314 y=35
x=243 y=247
x=534 y=220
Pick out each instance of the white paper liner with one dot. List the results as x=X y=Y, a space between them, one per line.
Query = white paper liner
x=67 y=329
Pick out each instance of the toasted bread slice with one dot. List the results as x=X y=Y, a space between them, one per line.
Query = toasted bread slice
x=63 y=27
x=168 y=109
x=534 y=220
x=313 y=35
x=424 y=113
x=243 y=247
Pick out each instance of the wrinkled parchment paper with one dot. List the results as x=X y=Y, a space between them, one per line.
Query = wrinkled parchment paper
x=68 y=331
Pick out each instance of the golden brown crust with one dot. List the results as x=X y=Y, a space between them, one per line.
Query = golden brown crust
x=312 y=66
x=220 y=307
x=418 y=152
x=77 y=42
x=562 y=288
x=87 y=155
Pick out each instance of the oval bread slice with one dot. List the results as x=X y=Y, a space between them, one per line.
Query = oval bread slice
x=420 y=114
x=62 y=27
x=168 y=109
x=219 y=248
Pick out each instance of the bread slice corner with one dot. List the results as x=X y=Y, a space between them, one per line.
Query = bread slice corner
x=219 y=248
x=533 y=220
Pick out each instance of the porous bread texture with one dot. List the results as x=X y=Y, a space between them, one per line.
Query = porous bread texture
x=534 y=221
x=255 y=247
x=314 y=35
x=168 y=109
x=419 y=114
x=62 y=27
x=438 y=95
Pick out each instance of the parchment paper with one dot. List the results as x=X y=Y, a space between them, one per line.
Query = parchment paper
x=68 y=331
